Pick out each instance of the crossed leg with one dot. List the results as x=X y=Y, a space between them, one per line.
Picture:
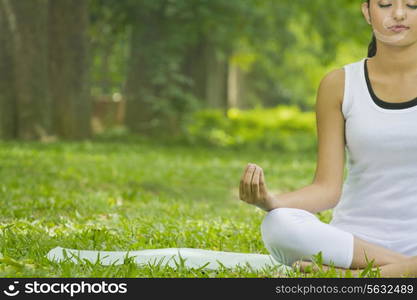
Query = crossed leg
x=382 y=256
x=390 y=263
x=293 y=235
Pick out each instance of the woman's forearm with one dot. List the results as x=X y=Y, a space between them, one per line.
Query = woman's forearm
x=313 y=198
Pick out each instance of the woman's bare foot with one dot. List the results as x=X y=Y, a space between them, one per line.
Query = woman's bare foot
x=407 y=268
x=308 y=267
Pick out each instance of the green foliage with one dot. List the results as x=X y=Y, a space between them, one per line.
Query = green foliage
x=109 y=41
x=284 y=46
x=283 y=128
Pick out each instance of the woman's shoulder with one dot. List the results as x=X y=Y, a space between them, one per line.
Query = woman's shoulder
x=333 y=82
x=336 y=77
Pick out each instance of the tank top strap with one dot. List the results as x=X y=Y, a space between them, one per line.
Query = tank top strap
x=353 y=85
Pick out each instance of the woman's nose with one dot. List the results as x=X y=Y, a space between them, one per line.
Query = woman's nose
x=399 y=11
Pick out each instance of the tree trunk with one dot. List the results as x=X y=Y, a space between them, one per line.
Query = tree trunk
x=216 y=84
x=69 y=68
x=29 y=40
x=139 y=88
x=8 y=125
x=209 y=73
x=236 y=88
x=195 y=68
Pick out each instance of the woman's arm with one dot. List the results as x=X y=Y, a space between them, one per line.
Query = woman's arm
x=325 y=190
x=313 y=198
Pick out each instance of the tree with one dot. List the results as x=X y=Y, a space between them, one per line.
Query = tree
x=44 y=87
x=8 y=108
x=69 y=68
x=26 y=63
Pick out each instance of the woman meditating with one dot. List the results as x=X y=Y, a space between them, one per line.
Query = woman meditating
x=369 y=108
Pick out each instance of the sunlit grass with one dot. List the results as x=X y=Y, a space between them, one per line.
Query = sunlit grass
x=133 y=196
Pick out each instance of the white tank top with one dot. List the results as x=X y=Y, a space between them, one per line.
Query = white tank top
x=379 y=196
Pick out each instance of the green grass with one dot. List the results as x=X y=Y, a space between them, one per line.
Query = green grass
x=130 y=196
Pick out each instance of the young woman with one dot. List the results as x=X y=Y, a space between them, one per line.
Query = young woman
x=368 y=107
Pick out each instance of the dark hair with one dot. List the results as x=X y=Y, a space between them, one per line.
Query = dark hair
x=372 y=44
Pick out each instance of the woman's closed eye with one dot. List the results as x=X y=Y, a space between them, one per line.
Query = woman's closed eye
x=388 y=5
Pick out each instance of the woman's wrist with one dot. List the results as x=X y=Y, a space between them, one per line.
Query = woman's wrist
x=272 y=202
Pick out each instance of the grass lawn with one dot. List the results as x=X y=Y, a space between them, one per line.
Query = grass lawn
x=131 y=196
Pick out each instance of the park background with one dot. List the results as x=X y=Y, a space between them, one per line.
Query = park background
x=127 y=124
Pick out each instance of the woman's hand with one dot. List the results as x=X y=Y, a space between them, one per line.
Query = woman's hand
x=252 y=188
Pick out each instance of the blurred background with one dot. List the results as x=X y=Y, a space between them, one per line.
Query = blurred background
x=224 y=73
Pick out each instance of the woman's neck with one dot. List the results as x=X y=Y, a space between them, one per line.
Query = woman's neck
x=395 y=61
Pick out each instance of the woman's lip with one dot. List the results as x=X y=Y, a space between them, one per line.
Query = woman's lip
x=398 y=28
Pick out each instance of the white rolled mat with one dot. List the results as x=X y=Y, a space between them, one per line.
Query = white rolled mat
x=194 y=258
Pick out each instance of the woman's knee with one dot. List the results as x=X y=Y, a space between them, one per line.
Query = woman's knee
x=280 y=228
x=295 y=234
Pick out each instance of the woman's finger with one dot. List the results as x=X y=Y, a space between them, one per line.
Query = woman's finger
x=242 y=182
x=247 y=181
x=255 y=183
x=241 y=191
x=262 y=185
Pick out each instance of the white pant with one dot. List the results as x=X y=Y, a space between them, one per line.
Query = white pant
x=292 y=234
